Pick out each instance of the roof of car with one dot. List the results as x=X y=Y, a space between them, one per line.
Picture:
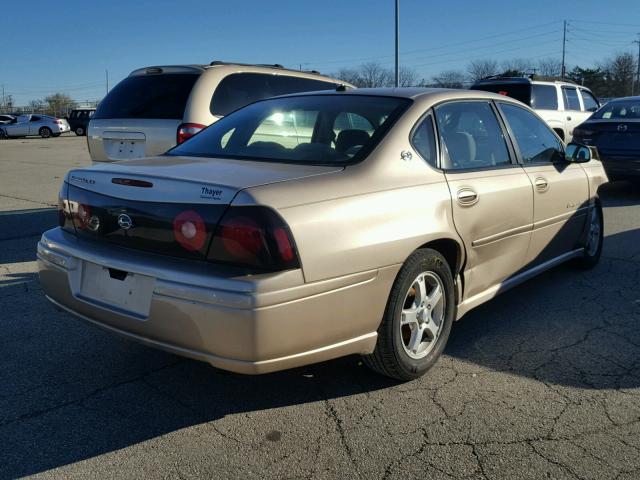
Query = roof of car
x=635 y=98
x=413 y=93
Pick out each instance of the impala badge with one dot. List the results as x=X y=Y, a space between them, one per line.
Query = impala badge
x=124 y=221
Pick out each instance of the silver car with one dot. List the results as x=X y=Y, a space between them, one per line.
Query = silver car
x=155 y=108
x=33 y=125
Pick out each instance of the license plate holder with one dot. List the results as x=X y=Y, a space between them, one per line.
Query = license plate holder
x=116 y=289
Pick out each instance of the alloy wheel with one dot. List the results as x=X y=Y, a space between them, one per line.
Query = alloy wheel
x=422 y=315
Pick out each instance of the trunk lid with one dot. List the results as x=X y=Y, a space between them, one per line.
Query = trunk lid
x=613 y=138
x=143 y=204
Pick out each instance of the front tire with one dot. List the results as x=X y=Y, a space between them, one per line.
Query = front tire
x=418 y=318
x=595 y=239
x=45 y=132
x=3 y=135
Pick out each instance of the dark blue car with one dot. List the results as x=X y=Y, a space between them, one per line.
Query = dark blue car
x=615 y=131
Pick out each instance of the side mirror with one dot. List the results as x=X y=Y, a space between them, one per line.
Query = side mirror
x=577 y=153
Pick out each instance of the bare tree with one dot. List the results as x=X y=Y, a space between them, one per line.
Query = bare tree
x=408 y=77
x=516 y=66
x=479 y=69
x=373 y=74
x=59 y=104
x=450 y=79
x=350 y=75
x=36 y=106
x=550 y=67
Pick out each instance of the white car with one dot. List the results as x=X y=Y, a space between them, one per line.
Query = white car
x=32 y=125
x=562 y=104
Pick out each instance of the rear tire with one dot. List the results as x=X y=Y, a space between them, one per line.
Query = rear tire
x=45 y=132
x=595 y=239
x=416 y=326
x=79 y=131
x=3 y=135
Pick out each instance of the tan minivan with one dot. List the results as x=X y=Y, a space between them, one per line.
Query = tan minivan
x=155 y=108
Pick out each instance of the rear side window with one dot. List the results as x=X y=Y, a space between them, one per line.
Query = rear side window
x=571 y=101
x=240 y=89
x=148 y=96
x=590 y=103
x=424 y=141
x=544 y=97
x=471 y=136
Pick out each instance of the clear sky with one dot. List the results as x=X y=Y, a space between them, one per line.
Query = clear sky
x=67 y=45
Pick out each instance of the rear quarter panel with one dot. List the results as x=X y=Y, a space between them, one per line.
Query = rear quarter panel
x=368 y=216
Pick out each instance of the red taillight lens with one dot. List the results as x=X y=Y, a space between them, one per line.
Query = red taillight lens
x=190 y=231
x=188 y=130
x=254 y=237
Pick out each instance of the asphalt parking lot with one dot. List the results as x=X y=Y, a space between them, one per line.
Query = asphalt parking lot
x=541 y=382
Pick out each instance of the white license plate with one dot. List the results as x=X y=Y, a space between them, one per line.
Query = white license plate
x=126 y=291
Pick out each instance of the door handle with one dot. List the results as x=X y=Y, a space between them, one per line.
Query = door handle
x=467 y=197
x=541 y=184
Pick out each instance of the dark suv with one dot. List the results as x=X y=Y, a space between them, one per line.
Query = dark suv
x=79 y=120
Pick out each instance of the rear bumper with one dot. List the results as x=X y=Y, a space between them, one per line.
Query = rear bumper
x=621 y=167
x=244 y=324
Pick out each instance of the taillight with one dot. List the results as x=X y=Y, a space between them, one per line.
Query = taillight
x=253 y=237
x=581 y=132
x=188 y=130
x=190 y=231
x=59 y=122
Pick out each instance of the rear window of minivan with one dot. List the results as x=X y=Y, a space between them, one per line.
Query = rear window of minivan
x=148 y=96
x=240 y=89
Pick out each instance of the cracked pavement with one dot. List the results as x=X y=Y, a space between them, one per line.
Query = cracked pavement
x=541 y=382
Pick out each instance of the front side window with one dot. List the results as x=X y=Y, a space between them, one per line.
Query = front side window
x=589 y=101
x=240 y=89
x=471 y=136
x=536 y=141
x=571 y=101
x=301 y=129
x=424 y=141
x=544 y=97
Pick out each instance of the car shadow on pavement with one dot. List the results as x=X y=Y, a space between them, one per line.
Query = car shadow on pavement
x=70 y=392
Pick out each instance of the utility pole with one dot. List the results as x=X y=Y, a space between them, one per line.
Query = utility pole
x=106 y=72
x=397 y=43
x=637 y=89
x=564 y=47
x=2 y=105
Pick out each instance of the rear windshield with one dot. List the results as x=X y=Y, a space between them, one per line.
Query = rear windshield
x=312 y=129
x=148 y=96
x=621 y=110
x=240 y=89
x=519 y=91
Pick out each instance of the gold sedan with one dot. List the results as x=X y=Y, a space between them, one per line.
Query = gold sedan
x=313 y=226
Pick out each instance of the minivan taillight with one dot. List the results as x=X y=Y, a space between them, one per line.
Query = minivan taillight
x=254 y=237
x=188 y=130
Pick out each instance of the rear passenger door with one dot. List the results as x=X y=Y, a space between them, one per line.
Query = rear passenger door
x=561 y=189
x=491 y=194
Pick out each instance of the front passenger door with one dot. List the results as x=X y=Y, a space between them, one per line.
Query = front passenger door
x=561 y=189
x=492 y=198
